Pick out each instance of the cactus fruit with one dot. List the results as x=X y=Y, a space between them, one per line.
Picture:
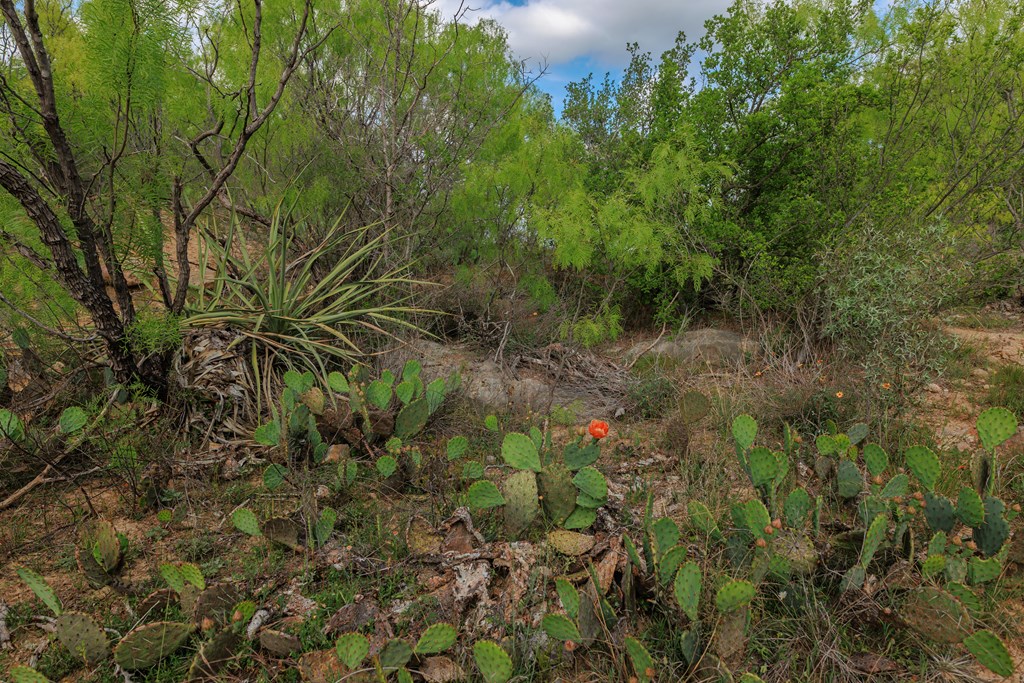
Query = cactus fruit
x=939 y=513
x=494 y=663
x=283 y=530
x=519 y=451
x=990 y=652
x=875 y=459
x=521 y=503
x=437 y=638
x=936 y=614
x=763 y=466
x=591 y=483
x=554 y=484
x=849 y=481
x=733 y=595
x=873 y=538
x=42 y=589
x=693 y=407
x=82 y=636
x=970 y=508
x=145 y=645
x=995 y=426
x=994 y=532
x=744 y=431
x=643 y=665
x=216 y=603
x=687 y=588
x=560 y=628
x=702 y=519
x=411 y=419
x=213 y=655
x=924 y=464
x=352 y=649
x=796 y=507
x=484 y=494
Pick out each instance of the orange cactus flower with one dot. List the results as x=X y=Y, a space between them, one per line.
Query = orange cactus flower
x=839 y=394
x=598 y=429
x=886 y=386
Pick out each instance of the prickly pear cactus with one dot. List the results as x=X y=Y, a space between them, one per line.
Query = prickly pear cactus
x=146 y=645
x=557 y=491
x=42 y=589
x=519 y=451
x=484 y=494
x=702 y=519
x=875 y=459
x=990 y=652
x=214 y=654
x=687 y=589
x=763 y=466
x=283 y=530
x=995 y=530
x=245 y=521
x=744 y=431
x=352 y=649
x=494 y=663
x=412 y=419
x=797 y=506
x=733 y=595
x=982 y=571
x=437 y=638
x=849 y=481
x=643 y=665
x=939 y=513
x=873 y=538
x=693 y=407
x=521 y=503
x=24 y=674
x=995 y=426
x=970 y=508
x=216 y=603
x=936 y=614
x=82 y=636
x=924 y=464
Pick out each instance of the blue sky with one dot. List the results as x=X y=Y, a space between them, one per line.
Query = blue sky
x=577 y=37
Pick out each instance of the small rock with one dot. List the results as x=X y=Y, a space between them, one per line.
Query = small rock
x=352 y=617
x=979 y=373
x=441 y=670
x=933 y=388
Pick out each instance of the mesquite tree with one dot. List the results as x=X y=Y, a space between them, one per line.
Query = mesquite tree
x=121 y=122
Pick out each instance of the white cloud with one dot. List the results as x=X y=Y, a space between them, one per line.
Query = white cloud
x=562 y=30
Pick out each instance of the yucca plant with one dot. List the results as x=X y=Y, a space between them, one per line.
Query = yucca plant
x=302 y=309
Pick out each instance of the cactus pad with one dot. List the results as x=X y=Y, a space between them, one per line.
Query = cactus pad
x=702 y=519
x=494 y=663
x=580 y=518
x=798 y=550
x=873 y=538
x=570 y=543
x=554 y=485
x=733 y=595
x=849 y=481
x=216 y=603
x=568 y=596
x=82 y=636
x=895 y=487
x=643 y=665
x=214 y=654
x=484 y=494
x=665 y=533
x=924 y=464
x=875 y=459
x=577 y=457
x=744 y=430
x=560 y=627
x=395 y=654
x=796 y=507
x=42 y=589
x=146 y=645
x=279 y=643
x=669 y=562
x=437 y=638
x=156 y=602
x=693 y=407
x=970 y=508
x=731 y=638
x=521 y=504
x=990 y=652
x=352 y=649
x=246 y=522
x=519 y=451
x=995 y=426
x=25 y=674
x=939 y=513
x=411 y=419
x=937 y=615
x=591 y=483
x=283 y=530
x=763 y=466
x=857 y=433
x=994 y=532
x=853 y=579
x=687 y=589
x=982 y=571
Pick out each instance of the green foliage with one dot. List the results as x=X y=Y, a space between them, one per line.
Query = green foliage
x=990 y=652
x=352 y=649
x=41 y=589
x=494 y=663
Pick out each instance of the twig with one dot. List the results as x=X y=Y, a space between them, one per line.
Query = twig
x=5 y=633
